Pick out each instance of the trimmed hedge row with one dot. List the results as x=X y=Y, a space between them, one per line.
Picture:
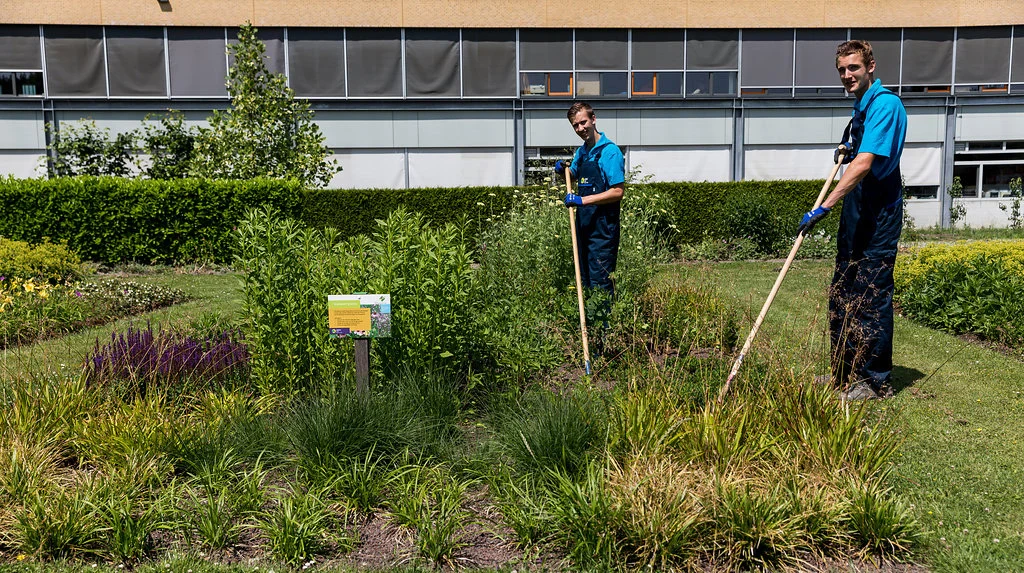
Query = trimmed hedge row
x=119 y=220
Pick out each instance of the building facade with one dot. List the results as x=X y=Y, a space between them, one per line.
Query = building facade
x=423 y=93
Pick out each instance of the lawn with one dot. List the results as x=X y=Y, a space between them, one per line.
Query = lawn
x=211 y=293
x=961 y=408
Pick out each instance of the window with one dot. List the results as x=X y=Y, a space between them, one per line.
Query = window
x=986 y=168
x=712 y=84
x=545 y=56
x=597 y=84
x=767 y=62
x=1017 y=63
x=21 y=65
x=135 y=61
x=488 y=62
x=816 y=60
x=198 y=61
x=316 y=62
x=657 y=63
x=273 y=40
x=982 y=59
x=927 y=60
x=601 y=49
x=374 y=62
x=885 y=46
x=432 y=63
x=74 y=61
x=712 y=49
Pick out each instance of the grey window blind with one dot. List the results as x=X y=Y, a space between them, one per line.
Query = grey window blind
x=488 y=62
x=374 y=62
x=547 y=49
x=135 y=61
x=432 y=62
x=816 y=57
x=19 y=48
x=316 y=61
x=983 y=55
x=74 y=61
x=712 y=49
x=602 y=49
x=1017 y=72
x=927 y=56
x=273 y=40
x=197 y=60
x=767 y=58
x=885 y=46
x=657 y=49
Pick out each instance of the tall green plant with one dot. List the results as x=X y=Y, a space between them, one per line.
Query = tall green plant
x=957 y=209
x=170 y=145
x=267 y=132
x=1016 y=220
x=85 y=149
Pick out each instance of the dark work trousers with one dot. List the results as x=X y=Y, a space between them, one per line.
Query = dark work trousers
x=597 y=236
x=860 y=299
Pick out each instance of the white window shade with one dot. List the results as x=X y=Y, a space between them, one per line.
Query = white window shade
x=922 y=164
x=460 y=167
x=682 y=163
x=369 y=169
x=787 y=162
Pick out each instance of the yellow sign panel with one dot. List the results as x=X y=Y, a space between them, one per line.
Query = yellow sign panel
x=350 y=318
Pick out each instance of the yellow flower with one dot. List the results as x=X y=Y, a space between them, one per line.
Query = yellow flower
x=21 y=557
x=29 y=286
x=44 y=294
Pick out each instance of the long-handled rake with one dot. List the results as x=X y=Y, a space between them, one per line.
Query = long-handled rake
x=579 y=280
x=774 y=291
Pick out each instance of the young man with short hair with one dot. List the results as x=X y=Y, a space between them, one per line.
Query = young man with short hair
x=598 y=168
x=871 y=188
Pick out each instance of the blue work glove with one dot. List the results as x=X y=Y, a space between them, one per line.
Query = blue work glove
x=811 y=218
x=560 y=167
x=573 y=200
x=844 y=152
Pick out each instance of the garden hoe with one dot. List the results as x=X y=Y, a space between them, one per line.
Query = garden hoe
x=579 y=281
x=775 y=289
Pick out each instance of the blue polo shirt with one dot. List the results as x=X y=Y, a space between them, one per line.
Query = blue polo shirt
x=880 y=128
x=598 y=168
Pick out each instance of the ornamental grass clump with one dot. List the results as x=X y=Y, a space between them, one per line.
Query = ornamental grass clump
x=146 y=357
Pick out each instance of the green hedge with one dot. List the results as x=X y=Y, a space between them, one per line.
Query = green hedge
x=118 y=220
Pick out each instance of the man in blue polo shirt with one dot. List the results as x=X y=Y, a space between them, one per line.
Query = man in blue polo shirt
x=599 y=171
x=871 y=188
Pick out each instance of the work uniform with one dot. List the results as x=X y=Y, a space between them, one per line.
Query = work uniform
x=860 y=301
x=596 y=170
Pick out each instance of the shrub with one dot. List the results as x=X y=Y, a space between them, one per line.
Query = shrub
x=46 y=261
x=121 y=220
x=290 y=271
x=968 y=287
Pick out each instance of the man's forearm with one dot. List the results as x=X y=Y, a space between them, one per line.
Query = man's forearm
x=854 y=174
x=613 y=195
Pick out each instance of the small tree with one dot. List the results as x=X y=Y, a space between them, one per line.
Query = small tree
x=957 y=210
x=1016 y=221
x=86 y=149
x=170 y=145
x=267 y=132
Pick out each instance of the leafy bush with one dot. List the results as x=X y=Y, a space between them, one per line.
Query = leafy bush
x=121 y=220
x=290 y=271
x=967 y=287
x=46 y=261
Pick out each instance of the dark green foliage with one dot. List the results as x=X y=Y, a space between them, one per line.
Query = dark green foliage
x=86 y=149
x=46 y=261
x=355 y=211
x=708 y=208
x=170 y=146
x=117 y=220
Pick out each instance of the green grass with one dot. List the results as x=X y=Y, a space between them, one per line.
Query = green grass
x=963 y=233
x=962 y=413
x=210 y=293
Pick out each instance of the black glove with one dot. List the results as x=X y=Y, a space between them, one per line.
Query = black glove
x=811 y=218
x=842 y=151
